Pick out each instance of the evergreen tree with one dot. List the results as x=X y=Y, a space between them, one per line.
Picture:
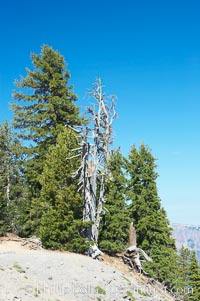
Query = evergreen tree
x=194 y=278
x=47 y=101
x=61 y=222
x=114 y=230
x=10 y=179
x=182 y=283
x=5 y=162
x=44 y=104
x=154 y=234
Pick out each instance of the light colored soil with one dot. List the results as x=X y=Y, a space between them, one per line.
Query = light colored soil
x=28 y=275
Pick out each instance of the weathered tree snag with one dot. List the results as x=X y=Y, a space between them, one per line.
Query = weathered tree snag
x=95 y=141
x=132 y=236
x=132 y=255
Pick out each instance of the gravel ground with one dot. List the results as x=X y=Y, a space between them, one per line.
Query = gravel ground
x=28 y=275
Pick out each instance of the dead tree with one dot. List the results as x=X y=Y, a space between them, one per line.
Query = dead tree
x=132 y=255
x=96 y=139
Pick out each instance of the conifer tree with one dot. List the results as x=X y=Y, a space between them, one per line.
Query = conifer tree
x=45 y=102
x=5 y=162
x=10 y=179
x=194 y=278
x=114 y=230
x=182 y=283
x=154 y=234
x=61 y=222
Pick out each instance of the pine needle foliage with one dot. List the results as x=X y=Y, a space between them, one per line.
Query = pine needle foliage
x=11 y=183
x=45 y=101
x=44 y=104
x=61 y=223
x=114 y=230
x=194 y=278
x=154 y=234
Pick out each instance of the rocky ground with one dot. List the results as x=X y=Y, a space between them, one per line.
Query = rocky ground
x=28 y=275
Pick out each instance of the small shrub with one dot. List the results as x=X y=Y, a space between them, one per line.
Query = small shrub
x=100 y=290
x=18 y=268
x=129 y=294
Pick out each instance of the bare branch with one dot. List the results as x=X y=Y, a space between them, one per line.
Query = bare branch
x=75 y=156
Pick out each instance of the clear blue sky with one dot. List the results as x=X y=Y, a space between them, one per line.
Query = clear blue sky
x=147 y=53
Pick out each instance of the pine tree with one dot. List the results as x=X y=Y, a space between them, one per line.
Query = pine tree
x=114 y=230
x=61 y=206
x=194 y=278
x=182 y=283
x=44 y=104
x=154 y=234
x=47 y=101
x=11 y=189
x=5 y=158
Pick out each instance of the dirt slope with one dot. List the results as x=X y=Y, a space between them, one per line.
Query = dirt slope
x=62 y=276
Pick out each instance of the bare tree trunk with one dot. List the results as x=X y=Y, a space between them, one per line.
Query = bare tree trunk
x=96 y=139
x=8 y=190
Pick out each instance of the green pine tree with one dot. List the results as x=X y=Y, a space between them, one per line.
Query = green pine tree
x=5 y=163
x=45 y=102
x=11 y=188
x=154 y=234
x=182 y=282
x=194 y=278
x=61 y=206
x=114 y=230
x=48 y=102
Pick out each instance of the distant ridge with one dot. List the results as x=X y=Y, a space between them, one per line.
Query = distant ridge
x=187 y=236
x=185 y=225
